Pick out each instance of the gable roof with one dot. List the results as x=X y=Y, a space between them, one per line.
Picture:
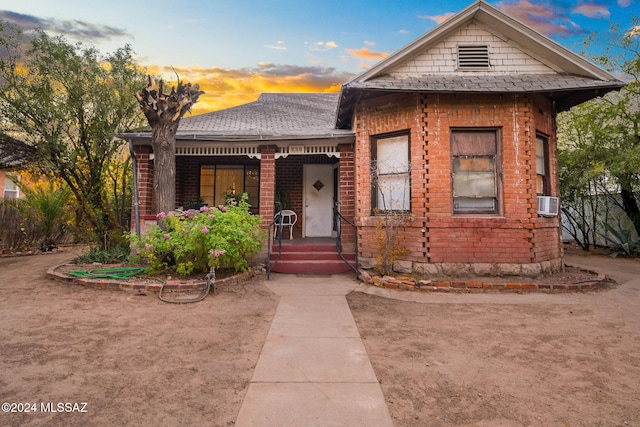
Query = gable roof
x=543 y=66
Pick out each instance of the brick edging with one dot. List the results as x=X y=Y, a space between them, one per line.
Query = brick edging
x=176 y=285
x=478 y=286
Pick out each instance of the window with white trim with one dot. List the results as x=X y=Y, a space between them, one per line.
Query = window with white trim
x=391 y=189
x=475 y=166
x=11 y=190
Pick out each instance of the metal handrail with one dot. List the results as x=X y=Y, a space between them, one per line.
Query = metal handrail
x=338 y=218
x=277 y=225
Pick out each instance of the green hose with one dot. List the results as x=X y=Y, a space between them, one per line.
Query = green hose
x=108 y=273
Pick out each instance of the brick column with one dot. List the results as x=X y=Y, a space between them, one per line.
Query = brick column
x=347 y=193
x=267 y=183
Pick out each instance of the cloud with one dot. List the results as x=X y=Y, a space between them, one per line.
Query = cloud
x=279 y=46
x=624 y=3
x=546 y=18
x=592 y=10
x=369 y=43
x=365 y=53
x=77 y=29
x=225 y=88
x=326 y=45
x=437 y=18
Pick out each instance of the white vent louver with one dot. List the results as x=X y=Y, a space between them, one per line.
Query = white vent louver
x=548 y=206
x=473 y=57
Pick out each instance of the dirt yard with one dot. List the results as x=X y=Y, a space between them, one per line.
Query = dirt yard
x=510 y=360
x=133 y=359
x=455 y=360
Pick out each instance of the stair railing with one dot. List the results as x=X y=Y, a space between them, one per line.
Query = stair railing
x=277 y=230
x=338 y=218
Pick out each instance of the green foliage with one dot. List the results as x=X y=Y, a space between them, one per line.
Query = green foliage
x=599 y=142
x=46 y=206
x=198 y=240
x=621 y=241
x=113 y=255
x=66 y=102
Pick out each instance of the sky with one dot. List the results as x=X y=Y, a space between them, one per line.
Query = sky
x=237 y=49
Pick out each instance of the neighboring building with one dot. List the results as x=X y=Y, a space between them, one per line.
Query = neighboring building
x=457 y=129
x=8 y=189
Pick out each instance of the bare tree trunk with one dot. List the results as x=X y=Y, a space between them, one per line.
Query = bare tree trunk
x=164 y=149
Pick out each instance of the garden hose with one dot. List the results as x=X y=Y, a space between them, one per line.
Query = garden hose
x=108 y=273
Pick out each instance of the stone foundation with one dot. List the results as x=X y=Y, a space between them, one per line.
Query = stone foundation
x=472 y=269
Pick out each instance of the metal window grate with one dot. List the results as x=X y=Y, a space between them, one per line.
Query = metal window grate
x=473 y=57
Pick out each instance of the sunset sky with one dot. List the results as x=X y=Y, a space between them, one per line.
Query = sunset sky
x=237 y=49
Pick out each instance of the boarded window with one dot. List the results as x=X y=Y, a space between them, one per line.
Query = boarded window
x=218 y=182
x=475 y=162
x=391 y=181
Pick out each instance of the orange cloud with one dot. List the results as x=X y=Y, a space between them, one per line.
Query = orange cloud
x=541 y=17
x=592 y=10
x=365 y=53
x=225 y=88
x=439 y=19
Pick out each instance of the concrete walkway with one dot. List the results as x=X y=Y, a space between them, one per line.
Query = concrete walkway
x=313 y=369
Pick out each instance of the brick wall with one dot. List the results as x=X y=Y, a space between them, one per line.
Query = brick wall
x=434 y=234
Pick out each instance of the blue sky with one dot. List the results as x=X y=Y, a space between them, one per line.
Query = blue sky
x=236 y=49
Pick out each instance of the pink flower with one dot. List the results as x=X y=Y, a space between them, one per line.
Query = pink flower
x=216 y=254
x=203 y=208
x=211 y=216
x=205 y=229
x=160 y=215
x=171 y=213
x=166 y=235
x=222 y=208
x=185 y=231
x=148 y=247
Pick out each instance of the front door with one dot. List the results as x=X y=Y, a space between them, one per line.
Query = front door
x=318 y=200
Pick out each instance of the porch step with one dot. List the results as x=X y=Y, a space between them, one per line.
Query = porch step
x=310 y=259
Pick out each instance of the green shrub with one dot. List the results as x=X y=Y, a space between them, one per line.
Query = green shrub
x=113 y=255
x=197 y=240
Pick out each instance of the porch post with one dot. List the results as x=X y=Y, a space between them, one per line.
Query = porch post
x=347 y=193
x=267 y=183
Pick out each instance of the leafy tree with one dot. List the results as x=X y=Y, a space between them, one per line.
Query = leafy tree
x=163 y=112
x=65 y=103
x=599 y=140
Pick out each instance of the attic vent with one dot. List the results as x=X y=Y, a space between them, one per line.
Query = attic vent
x=473 y=57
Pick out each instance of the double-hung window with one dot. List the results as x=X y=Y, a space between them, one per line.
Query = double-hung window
x=391 y=189
x=475 y=163
x=11 y=189
x=543 y=184
x=219 y=182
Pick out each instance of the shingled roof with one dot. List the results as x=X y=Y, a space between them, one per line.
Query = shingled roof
x=272 y=116
x=525 y=62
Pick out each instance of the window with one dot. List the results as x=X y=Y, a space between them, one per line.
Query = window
x=473 y=57
x=217 y=182
x=543 y=182
x=391 y=189
x=475 y=164
x=11 y=190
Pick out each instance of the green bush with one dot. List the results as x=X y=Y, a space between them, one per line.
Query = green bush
x=113 y=255
x=195 y=241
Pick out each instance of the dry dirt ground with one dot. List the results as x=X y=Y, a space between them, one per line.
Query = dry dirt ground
x=454 y=360
x=510 y=360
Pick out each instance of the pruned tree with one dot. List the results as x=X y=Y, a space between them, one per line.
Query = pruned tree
x=163 y=112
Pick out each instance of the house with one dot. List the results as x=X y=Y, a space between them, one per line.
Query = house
x=456 y=131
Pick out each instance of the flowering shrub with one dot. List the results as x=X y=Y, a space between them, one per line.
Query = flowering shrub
x=195 y=241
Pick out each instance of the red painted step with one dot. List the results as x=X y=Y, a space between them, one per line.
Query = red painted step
x=310 y=259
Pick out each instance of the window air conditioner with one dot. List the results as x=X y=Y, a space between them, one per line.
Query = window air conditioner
x=548 y=206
